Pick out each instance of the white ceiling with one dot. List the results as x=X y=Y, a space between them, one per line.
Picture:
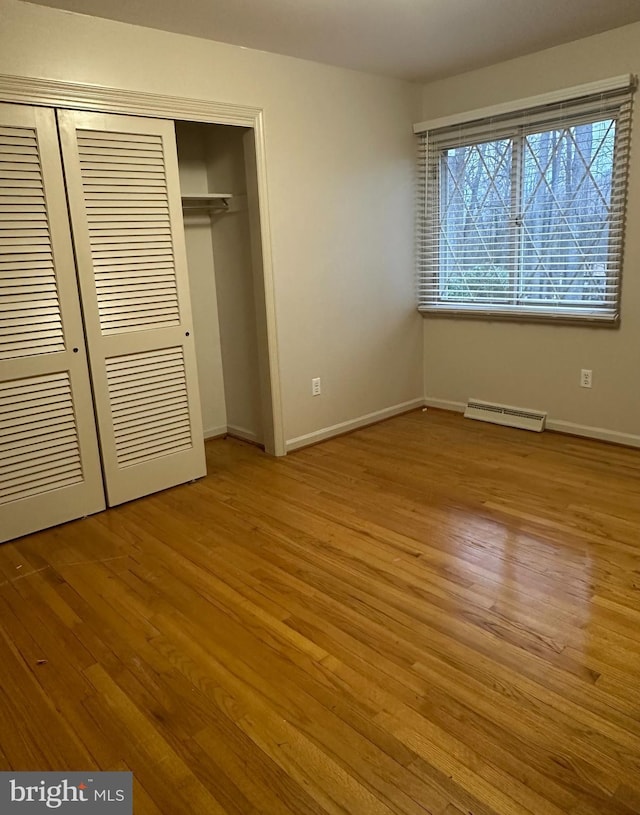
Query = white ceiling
x=410 y=39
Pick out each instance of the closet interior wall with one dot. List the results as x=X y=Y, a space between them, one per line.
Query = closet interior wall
x=222 y=256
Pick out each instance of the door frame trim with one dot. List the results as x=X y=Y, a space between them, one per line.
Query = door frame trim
x=79 y=96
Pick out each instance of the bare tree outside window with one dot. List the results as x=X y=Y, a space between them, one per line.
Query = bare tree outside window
x=547 y=244
x=522 y=214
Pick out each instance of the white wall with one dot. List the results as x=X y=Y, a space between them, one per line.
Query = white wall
x=340 y=159
x=539 y=365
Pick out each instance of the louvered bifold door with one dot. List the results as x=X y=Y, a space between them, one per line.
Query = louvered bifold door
x=124 y=199
x=49 y=463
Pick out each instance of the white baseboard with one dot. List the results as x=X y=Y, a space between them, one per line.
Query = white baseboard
x=445 y=404
x=243 y=433
x=601 y=433
x=571 y=428
x=231 y=430
x=214 y=432
x=351 y=424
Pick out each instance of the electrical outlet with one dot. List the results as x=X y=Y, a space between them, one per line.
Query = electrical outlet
x=586 y=378
x=315 y=386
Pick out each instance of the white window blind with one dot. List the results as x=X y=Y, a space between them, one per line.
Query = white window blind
x=522 y=215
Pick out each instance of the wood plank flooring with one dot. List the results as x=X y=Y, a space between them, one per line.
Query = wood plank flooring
x=430 y=615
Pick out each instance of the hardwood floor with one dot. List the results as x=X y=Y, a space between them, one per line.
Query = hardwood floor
x=431 y=615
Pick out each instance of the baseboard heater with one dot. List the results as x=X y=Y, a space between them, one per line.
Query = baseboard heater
x=505 y=415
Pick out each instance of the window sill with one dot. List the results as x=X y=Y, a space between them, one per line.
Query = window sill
x=522 y=316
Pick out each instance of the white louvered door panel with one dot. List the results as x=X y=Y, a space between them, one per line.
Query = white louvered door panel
x=124 y=198
x=49 y=464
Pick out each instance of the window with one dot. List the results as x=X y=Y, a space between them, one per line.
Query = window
x=522 y=215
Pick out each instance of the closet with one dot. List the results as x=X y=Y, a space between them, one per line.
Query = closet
x=221 y=219
x=99 y=399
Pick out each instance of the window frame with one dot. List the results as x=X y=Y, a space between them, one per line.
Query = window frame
x=610 y=99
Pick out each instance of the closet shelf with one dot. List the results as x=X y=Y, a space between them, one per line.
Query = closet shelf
x=209 y=200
